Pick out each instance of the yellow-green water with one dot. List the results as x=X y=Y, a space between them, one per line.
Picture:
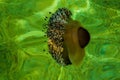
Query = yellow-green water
x=22 y=40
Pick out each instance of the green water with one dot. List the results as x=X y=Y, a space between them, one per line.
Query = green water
x=22 y=41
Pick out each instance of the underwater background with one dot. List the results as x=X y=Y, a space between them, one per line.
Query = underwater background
x=23 y=47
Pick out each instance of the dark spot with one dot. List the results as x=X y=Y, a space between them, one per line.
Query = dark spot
x=50 y=13
x=45 y=35
x=44 y=50
x=83 y=36
x=45 y=41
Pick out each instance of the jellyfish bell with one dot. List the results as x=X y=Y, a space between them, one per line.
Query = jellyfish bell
x=75 y=39
x=66 y=38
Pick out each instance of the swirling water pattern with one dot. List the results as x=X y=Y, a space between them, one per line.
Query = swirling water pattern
x=23 y=46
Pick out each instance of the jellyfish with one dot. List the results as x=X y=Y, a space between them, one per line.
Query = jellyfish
x=66 y=38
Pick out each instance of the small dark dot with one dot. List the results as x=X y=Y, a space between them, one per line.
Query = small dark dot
x=50 y=12
x=45 y=35
x=45 y=41
x=44 y=50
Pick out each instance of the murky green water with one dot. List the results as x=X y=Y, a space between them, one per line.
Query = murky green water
x=22 y=41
